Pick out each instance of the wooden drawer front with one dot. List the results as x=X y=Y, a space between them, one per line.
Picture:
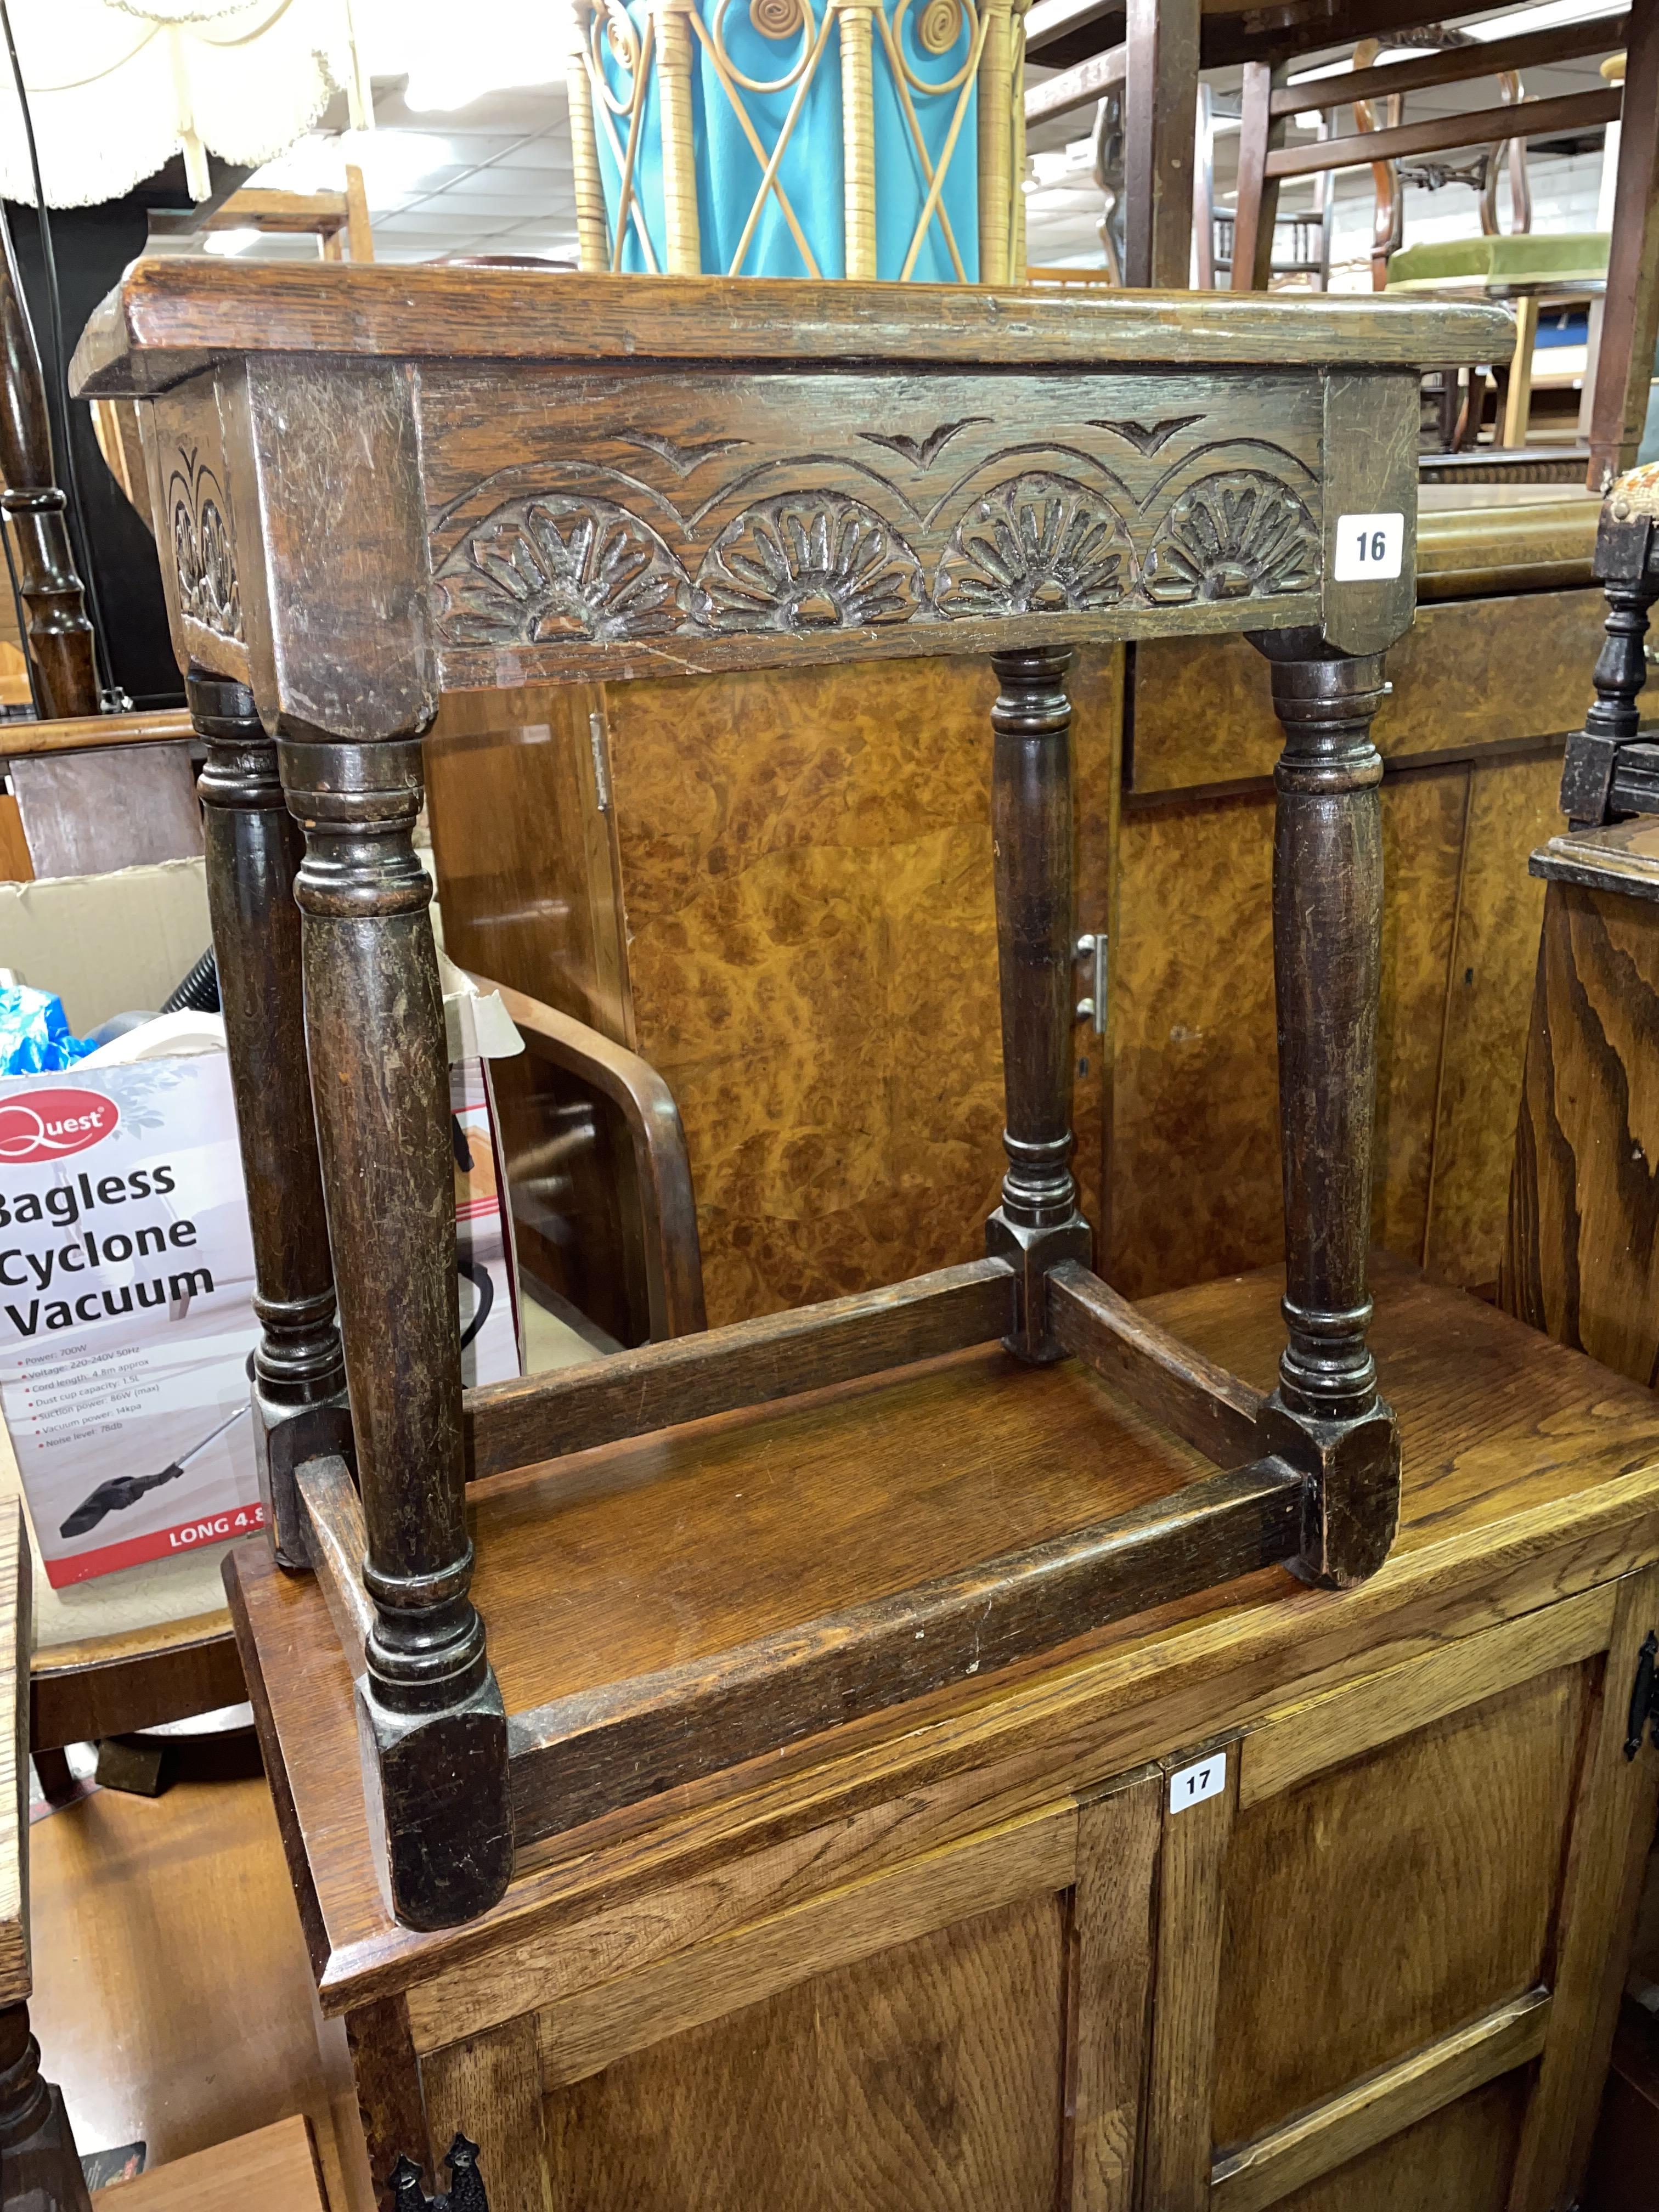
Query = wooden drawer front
x=1400 y=1931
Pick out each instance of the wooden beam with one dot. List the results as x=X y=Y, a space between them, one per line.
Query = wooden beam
x=1160 y=125
x=1054 y=19
x=1454 y=66
x=598 y=1750
x=296 y=213
x=750 y=1363
x=1075 y=88
x=1260 y=134
x=339 y=1545
x=96 y=732
x=1537 y=119
x=1630 y=315
x=1424 y=2081
x=1166 y=1379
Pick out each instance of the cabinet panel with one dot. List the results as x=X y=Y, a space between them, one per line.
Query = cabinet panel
x=1382 y=1904
x=929 y=2076
x=805 y=864
x=1460 y=2159
x=1467 y=676
x=1191 y=1168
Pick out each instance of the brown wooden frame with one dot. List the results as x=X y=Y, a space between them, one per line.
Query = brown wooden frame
x=1191 y=464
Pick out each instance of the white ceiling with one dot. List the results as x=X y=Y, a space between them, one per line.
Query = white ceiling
x=495 y=178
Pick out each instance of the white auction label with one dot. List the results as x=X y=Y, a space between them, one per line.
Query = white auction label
x=1206 y=1777
x=1369 y=548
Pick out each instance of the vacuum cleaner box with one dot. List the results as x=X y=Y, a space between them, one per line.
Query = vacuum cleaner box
x=126 y=1320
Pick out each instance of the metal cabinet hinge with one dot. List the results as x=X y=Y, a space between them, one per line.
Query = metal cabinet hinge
x=1644 y=1698
x=466 y=2192
x=601 y=776
x=1092 y=956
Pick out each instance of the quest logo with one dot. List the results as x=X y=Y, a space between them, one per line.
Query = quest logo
x=48 y=1124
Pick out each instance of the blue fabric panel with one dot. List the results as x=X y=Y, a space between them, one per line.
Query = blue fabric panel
x=811 y=173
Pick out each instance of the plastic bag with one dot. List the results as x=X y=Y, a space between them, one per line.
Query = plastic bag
x=35 y=1033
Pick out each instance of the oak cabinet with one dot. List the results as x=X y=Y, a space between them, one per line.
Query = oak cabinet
x=1277 y=1896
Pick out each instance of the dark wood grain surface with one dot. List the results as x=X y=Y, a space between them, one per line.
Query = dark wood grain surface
x=1582 y=1257
x=1528 y=1471
x=169 y=316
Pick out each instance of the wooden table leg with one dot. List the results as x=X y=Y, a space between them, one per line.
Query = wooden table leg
x=1326 y=1416
x=431 y=1712
x=40 y=2166
x=1518 y=397
x=1037 y=1226
x=254 y=851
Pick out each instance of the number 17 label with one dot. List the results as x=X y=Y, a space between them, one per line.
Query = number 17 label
x=1206 y=1777
x=1369 y=548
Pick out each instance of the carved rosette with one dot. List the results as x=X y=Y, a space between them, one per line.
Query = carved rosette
x=1041 y=544
x=537 y=569
x=1238 y=535
x=816 y=561
x=203 y=553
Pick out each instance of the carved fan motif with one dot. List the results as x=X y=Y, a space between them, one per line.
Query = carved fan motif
x=807 y=562
x=209 y=593
x=1237 y=536
x=1043 y=545
x=542 y=569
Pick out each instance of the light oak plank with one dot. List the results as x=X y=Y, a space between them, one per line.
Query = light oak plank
x=272 y=2170
x=1179 y=2129
x=587 y=2032
x=1303 y=1740
x=1612 y=1831
x=490 y=2090
x=1111 y=1951
x=1260 y=2172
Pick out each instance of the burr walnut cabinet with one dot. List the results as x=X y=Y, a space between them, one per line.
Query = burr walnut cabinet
x=876 y=1752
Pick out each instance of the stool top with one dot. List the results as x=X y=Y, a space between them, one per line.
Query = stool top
x=1635 y=496
x=169 y=317
x=379 y=485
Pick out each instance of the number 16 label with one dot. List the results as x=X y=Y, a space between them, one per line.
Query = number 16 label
x=1206 y=1777
x=1369 y=548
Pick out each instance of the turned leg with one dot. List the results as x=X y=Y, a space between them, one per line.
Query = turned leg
x=1627 y=565
x=253 y=851
x=1037 y=1226
x=1326 y=1415
x=39 y=2166
x=430 y=1716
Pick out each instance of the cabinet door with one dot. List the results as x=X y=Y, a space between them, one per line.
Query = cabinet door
x=955 y=2033
x=1390 y=1949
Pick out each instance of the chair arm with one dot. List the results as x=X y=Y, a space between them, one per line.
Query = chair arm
x=673 y=1256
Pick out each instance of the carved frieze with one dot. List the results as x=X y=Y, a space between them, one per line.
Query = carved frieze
x=811 y=521
x=203 y=550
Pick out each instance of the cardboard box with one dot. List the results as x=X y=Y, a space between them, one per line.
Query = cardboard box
x=126 y=1267
x=126 y=1322
x=107 y=943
